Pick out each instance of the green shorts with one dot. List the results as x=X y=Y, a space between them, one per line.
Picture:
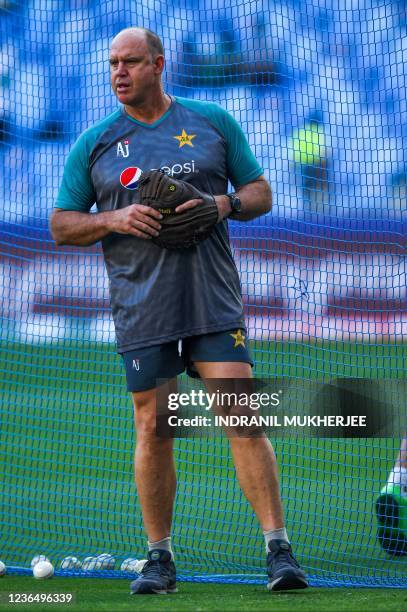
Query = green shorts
x=145 y=365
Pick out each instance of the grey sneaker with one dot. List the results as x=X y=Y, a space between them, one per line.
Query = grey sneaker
x=158 y=576
x=283 y=570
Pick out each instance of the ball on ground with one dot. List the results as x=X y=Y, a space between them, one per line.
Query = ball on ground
x=3 y=568
x=129 y=565
x=89 y=564
x=70 y=562
x=106 y=561
x=43 y=570
x=37 y=559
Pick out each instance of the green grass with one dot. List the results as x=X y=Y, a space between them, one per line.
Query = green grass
x=111 y=595
x=66 y=444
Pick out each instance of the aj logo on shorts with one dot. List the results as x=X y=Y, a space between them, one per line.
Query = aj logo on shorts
x=136 y=364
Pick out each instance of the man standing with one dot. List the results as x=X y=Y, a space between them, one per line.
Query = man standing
x=164 y=326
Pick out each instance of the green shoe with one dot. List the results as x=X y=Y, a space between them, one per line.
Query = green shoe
x=391 y=512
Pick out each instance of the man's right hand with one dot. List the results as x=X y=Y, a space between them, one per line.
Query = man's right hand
x=137 y=220
x=83 y=229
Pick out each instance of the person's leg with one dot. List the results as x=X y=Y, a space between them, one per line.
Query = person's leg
x=256 y=470
x=154 y=468
x=391 y=507
x=156 y=484
x=153 y=460
x=254 y=458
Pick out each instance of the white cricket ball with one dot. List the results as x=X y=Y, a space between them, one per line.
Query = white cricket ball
x=70 y=562
x=37 y=559
x=89 y=564
x=129 y=565
x=3 y=568
x=43 y=569
x=139 y=565
x=106 y=561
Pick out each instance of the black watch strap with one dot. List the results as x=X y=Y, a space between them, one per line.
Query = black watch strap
x=235 y=203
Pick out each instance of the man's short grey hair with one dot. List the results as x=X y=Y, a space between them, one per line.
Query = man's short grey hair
x=154 y=43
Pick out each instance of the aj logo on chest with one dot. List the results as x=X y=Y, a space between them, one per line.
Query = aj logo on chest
x=123 y=148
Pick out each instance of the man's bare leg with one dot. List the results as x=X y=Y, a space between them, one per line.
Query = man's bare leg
x=254 y=458
x=154 y=468
x=256 y=469
x=156 y=483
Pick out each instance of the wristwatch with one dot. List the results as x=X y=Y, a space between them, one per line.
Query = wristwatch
x=235 y=203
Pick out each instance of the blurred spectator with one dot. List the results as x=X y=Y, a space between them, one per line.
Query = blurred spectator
x=308 y=151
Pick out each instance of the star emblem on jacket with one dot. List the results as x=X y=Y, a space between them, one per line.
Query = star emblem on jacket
x=185 y=139
x=239 y=339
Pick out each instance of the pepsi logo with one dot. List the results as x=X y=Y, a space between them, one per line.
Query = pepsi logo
x=130 y=177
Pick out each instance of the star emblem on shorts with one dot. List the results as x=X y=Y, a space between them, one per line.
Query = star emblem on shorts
x=239 y=339
x=185 y=139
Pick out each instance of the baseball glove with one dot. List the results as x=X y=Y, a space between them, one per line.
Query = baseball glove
x=178 y=230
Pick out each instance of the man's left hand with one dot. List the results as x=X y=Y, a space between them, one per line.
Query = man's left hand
x=221 y=201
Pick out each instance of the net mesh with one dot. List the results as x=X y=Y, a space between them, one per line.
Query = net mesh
x=320 y=92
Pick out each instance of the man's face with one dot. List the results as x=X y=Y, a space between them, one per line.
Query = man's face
x=133 y=72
